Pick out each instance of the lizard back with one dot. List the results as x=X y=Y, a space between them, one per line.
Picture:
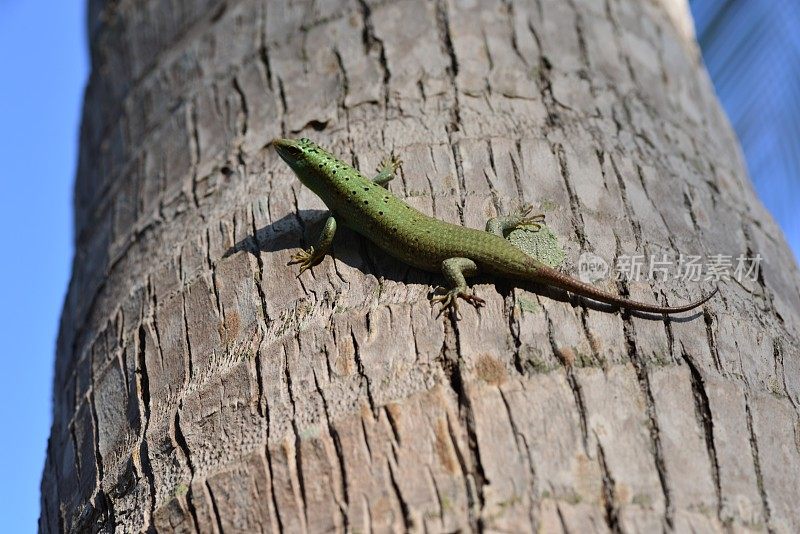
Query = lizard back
x=401 y=230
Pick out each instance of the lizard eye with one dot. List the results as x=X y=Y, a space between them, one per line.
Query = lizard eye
x=294 y=151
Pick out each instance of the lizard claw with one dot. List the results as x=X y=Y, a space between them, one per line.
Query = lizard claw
x=390 y=162
x=449 y=299
x=306 y=258
x=529 y=222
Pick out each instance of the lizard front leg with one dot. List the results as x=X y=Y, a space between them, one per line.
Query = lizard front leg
x=519 y=219
x=387 y=170
x=455 y=271
x=313 y=255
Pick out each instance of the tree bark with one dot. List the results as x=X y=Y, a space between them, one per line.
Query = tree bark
x=201 y=387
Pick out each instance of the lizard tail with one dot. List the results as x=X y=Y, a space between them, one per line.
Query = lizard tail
x=554 y=278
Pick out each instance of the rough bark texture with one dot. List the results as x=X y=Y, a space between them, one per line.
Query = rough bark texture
x=201 y=387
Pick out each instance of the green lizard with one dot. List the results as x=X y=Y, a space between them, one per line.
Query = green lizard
x=367 y=207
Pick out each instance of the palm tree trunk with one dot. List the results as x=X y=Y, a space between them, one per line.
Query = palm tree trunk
x=201 y=387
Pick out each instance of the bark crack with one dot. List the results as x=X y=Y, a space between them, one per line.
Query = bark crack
x=578 y=223
x=103 y=504
x=243 y=102
x=143 y=389
x=630 y=216
x=180 y=441
x=757 y=466
x=655 y=437
x=706 y=420
x=467 y=418
x=462 y=185
x=337 y=445
x=510 y=303
x=610 y=504
x=268 y=459
x=408 y=523
x=298 y=460
x=370 y=39
x=574 y=385
x=214 y=508
x=363 y=374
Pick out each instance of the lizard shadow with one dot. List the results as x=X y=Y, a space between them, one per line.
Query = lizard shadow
x=296 y=231
x=576 y=300
x=504 y=286
x=299 y=230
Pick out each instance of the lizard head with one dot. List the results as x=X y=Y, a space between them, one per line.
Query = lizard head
x=306 y=158
x=291 y=151
x=301 y=154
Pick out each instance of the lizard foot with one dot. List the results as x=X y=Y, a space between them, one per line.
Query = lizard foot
x=306 y=258
x=527 y=221
x=449 y=299
x=390 y=163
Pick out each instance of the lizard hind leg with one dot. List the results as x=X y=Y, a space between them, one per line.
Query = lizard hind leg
x=521 y=218
x=455 y=271
x=387 y=170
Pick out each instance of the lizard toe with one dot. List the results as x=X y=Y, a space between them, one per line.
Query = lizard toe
x=474 y=300
x=449 y=300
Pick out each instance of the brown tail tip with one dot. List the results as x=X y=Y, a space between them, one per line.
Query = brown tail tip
x=699 y=302
x=705 y=299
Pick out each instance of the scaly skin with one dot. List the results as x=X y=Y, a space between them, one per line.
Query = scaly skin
x=367 y=207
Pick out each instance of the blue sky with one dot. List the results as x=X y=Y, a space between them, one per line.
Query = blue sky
x=43 y=68
x=752 y=51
